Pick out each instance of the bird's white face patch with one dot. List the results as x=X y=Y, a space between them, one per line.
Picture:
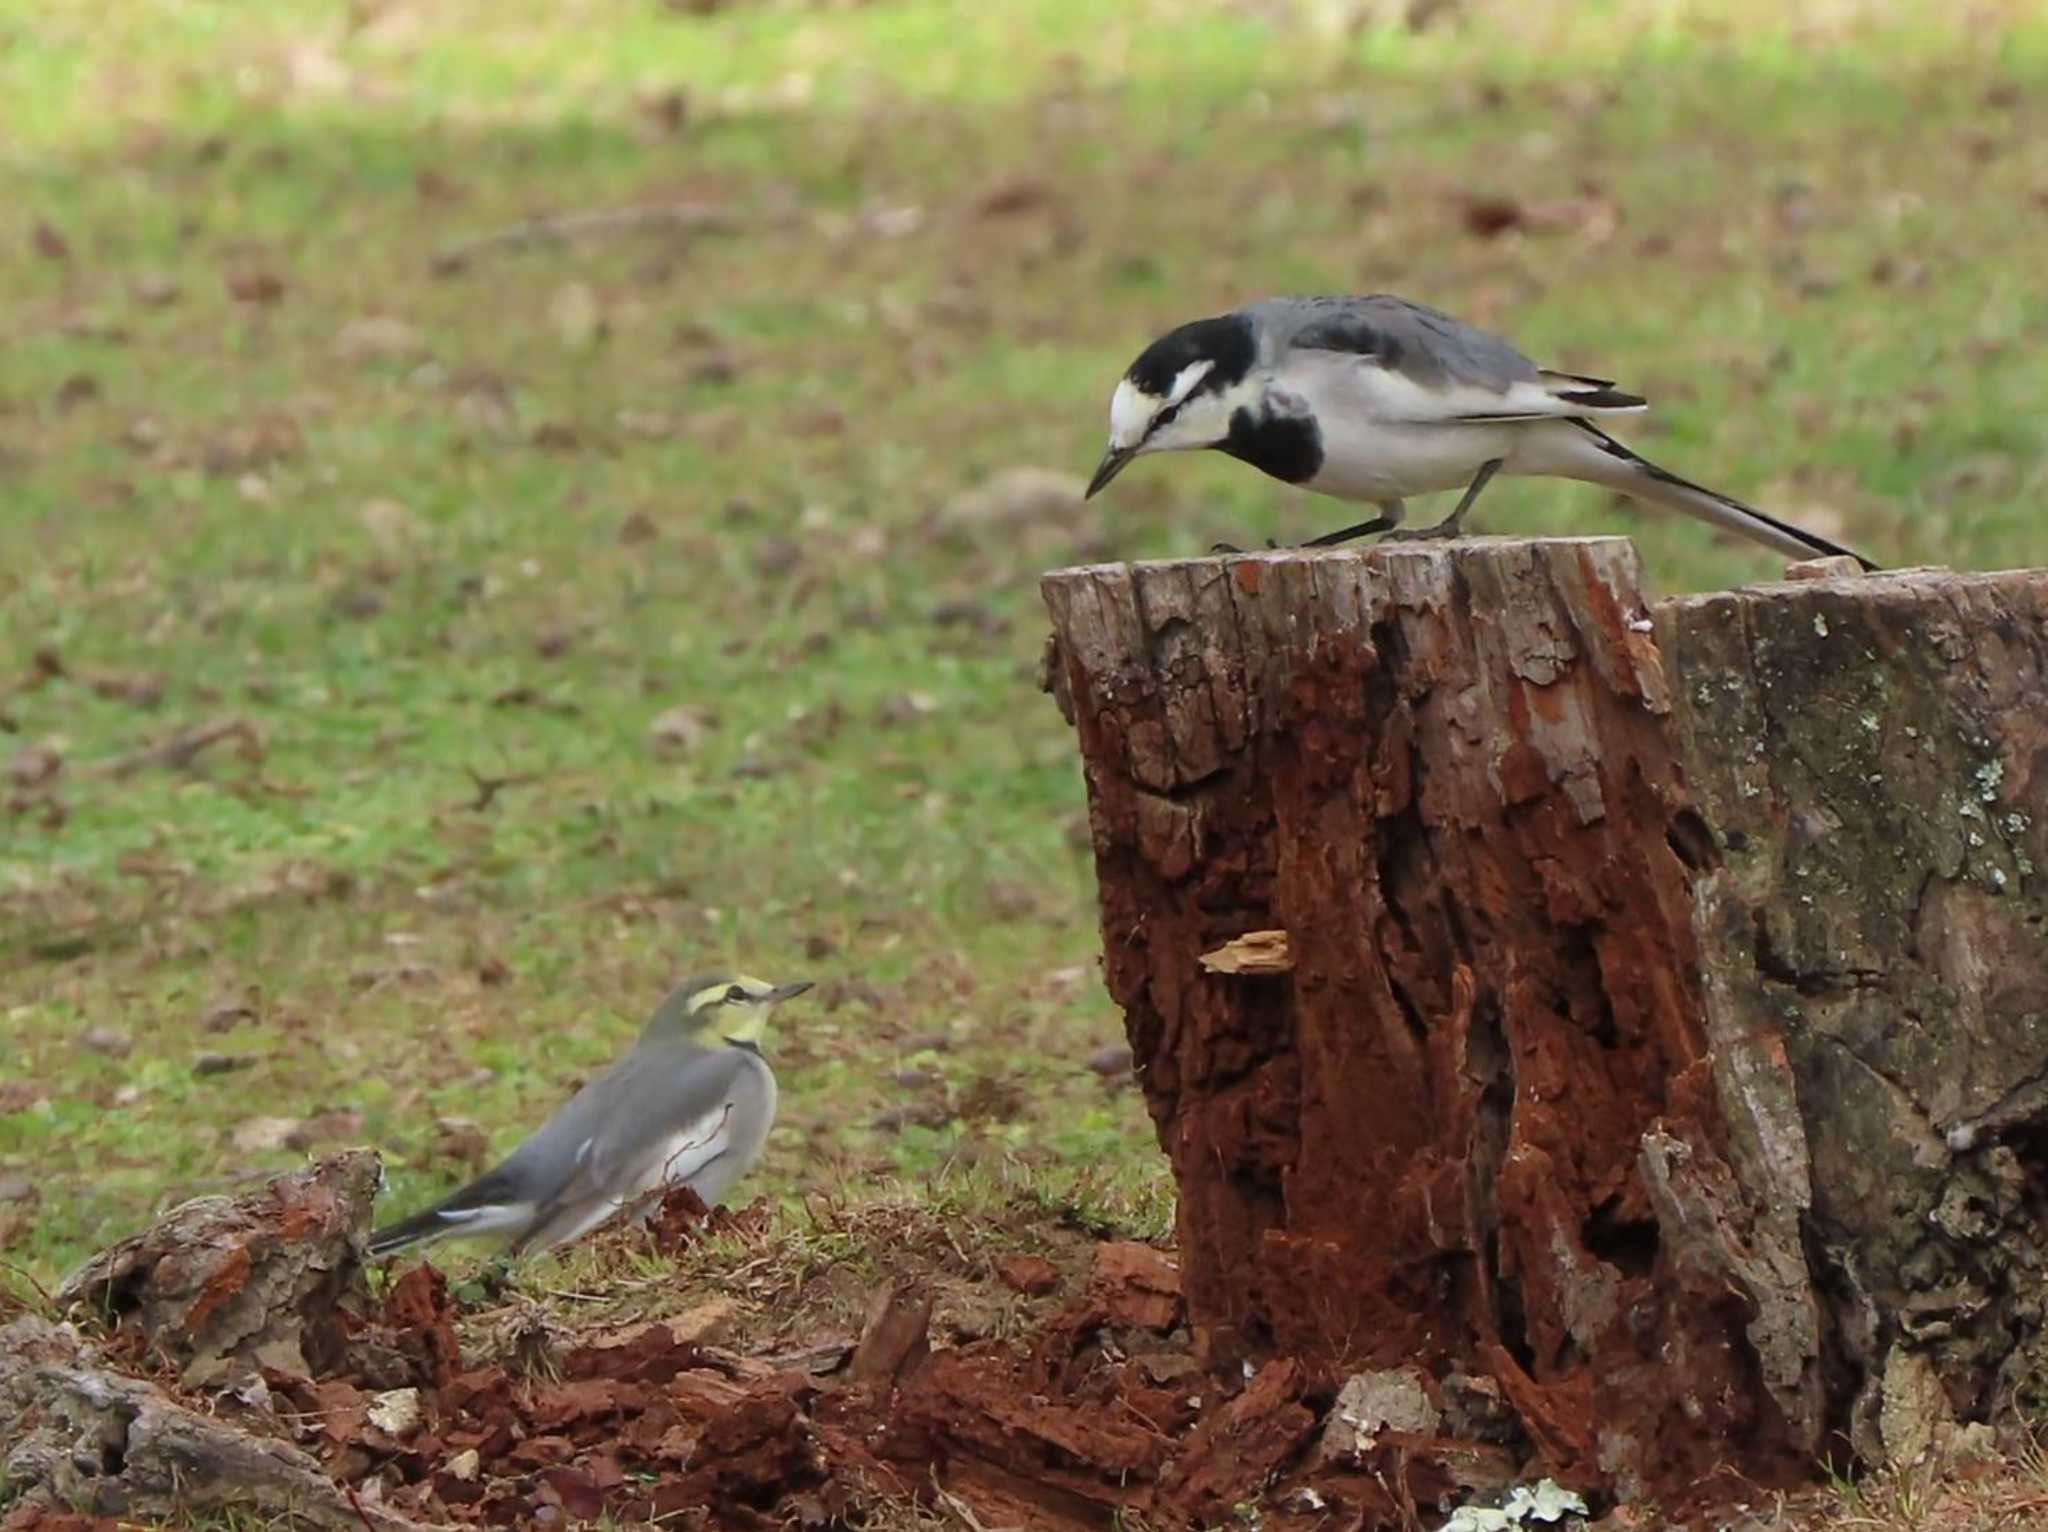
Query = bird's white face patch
x=1185 y=380
x=1132 y=410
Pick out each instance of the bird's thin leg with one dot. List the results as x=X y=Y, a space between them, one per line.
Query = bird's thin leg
x=1448 y=527
x=1391 y=512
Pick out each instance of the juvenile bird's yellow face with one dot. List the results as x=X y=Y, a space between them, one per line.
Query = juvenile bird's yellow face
x=737 y=1009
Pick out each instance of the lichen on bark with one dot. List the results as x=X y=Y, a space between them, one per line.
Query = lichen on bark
x=1873 y=757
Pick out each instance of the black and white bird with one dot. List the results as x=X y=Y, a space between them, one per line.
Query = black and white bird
x=1375 y=399
x=689 y=1105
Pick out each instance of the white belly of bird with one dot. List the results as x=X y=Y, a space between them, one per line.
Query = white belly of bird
x=710 y=1155
x=1385 y=437
x=1390 y=460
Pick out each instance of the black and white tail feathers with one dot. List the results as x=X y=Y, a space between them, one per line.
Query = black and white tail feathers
x=1588 y=453
x=1591 y=393
x=488 y=1205
x=409 y=1231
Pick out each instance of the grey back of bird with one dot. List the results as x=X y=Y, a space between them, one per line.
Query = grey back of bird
x=1410 y=338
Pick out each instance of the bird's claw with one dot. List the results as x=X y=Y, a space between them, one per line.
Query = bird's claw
x=1442 y=532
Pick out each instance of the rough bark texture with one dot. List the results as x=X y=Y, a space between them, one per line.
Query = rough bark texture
x=1596 y=1011
x=221 y=1286
x=82 y=1436
x=1873 y=758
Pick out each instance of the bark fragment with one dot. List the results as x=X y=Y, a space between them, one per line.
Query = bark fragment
x=896 y=1337
x=225 y=1285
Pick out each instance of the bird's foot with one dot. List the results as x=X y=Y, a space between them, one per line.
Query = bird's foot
x=1452 y=526
x=1233 y=547
x=1444 y=531
x=1388 y=518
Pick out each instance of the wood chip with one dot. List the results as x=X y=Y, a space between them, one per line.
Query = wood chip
x=896 y=1336
x=396 y=1412
x=680 y=217
x=1253 y=952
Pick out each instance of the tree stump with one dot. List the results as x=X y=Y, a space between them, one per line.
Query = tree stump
x=1659 y=1028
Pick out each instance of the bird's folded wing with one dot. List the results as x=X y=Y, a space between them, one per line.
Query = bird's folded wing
x=1390 y=393
x=634 y=1154
x=680 y=1155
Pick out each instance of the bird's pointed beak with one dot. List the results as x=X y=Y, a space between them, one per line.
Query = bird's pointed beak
x=1111 y=465
x=783 y=992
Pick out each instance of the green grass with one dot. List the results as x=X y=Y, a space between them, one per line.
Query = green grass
x=593 y=482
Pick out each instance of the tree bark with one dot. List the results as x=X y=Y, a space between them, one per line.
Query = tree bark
x=1873 y=758
x=1654 y=1028
x=82 y=1436
x=224 y=1285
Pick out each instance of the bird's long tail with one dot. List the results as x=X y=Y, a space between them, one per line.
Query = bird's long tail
x=409 y=1231
x=1578 y=449
x=480 y=1208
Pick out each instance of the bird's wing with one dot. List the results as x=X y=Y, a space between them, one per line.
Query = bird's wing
x=506 y=1198
x=668 y=1118
x=1424 y=367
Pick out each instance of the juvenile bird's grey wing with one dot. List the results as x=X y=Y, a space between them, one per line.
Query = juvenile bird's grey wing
x=1423 y=366
x=502 y=1200
x=506 y=1198
x=671 y=1117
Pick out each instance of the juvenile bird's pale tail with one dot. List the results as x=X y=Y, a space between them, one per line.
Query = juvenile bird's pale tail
x=446 y=1220
x=408 y=1231
x=1578 y=449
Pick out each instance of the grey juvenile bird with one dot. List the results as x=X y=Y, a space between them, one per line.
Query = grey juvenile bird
x=1376 y=399
x=690 y=1104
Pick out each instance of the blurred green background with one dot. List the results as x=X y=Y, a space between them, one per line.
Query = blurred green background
x=418 y=648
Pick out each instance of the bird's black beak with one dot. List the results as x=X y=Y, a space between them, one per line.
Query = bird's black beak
x=1111 y=465
x=787 y=991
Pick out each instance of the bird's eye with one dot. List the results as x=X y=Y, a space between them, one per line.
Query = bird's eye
x=735 y=995
x=1161 y=421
